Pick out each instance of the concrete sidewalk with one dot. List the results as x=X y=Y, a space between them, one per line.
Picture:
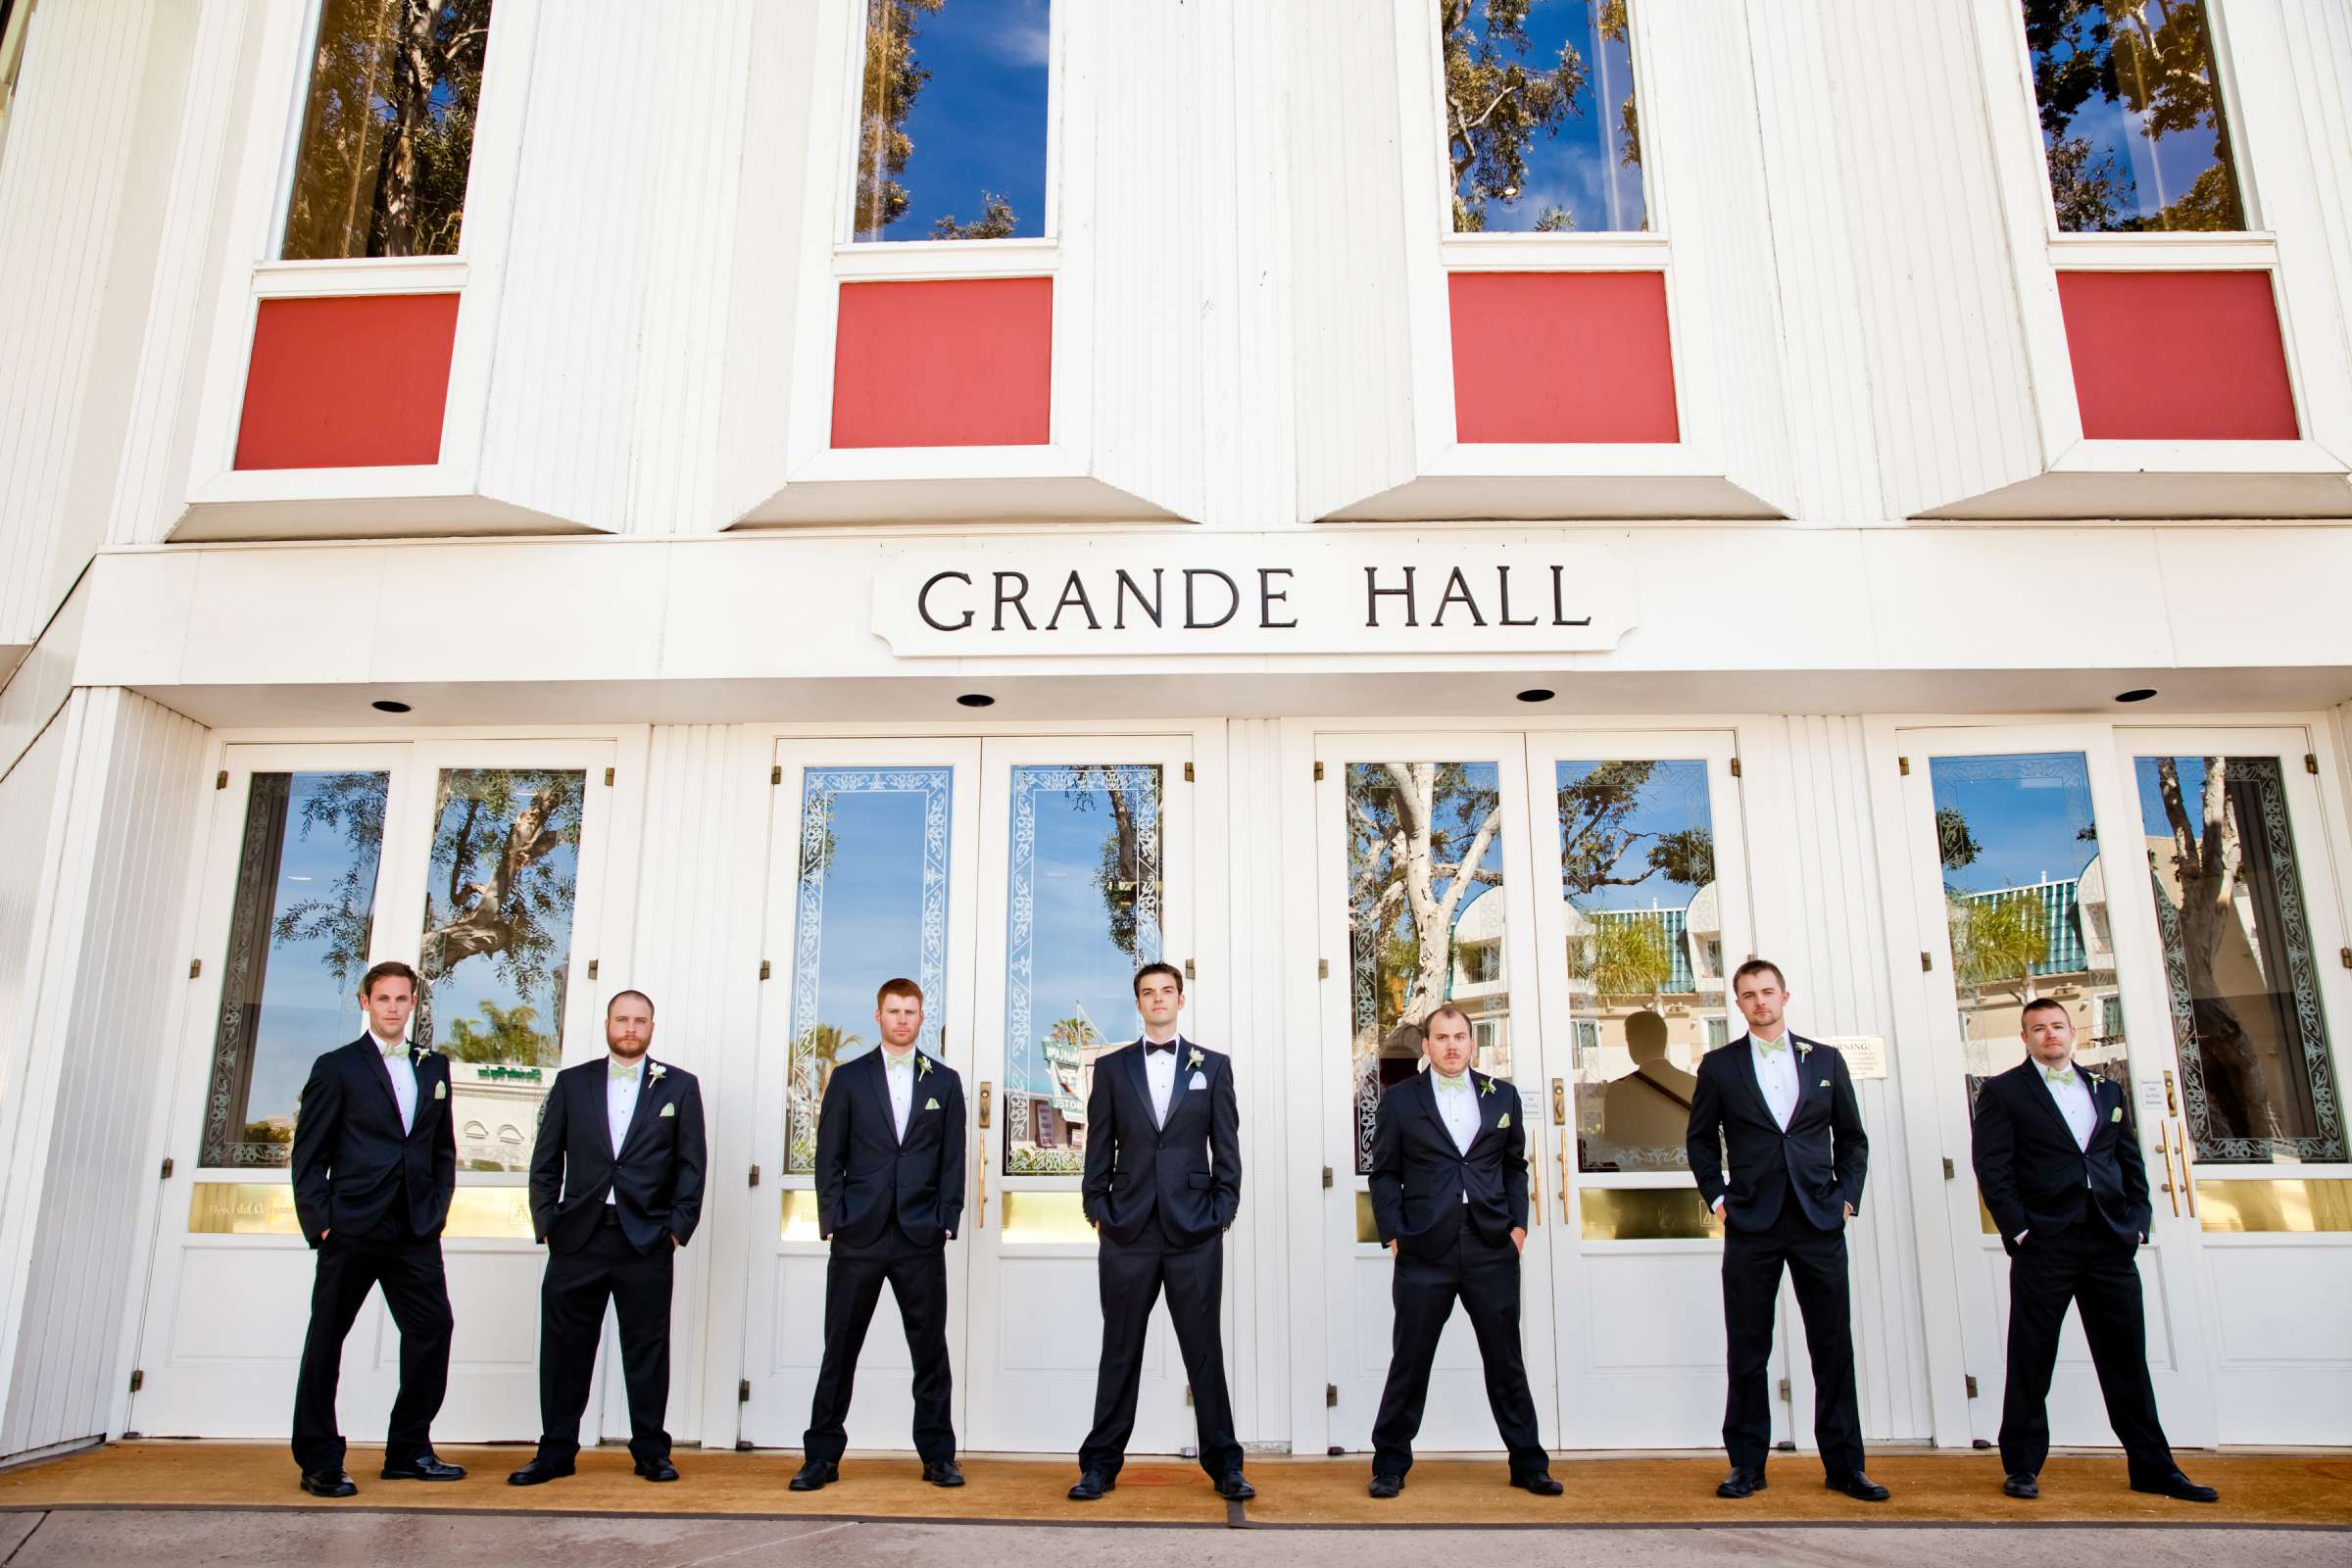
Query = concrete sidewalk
x=192 y=1538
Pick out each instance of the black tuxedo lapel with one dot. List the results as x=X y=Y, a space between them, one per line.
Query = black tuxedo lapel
x=1140 y=1075
x=877 y=1081
x=1492 y=1105
x=1177 y=1084
x=1744 y=1070
x=425 y=1093
x=2037 y=1088
x=1426 y=1083
x=383 y=1079
x=646 y=1082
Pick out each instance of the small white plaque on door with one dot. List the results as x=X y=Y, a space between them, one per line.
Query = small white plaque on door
x=1865 y=1055
x=2151 y=1096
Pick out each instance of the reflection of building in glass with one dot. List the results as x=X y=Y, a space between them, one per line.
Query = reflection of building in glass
x=497 y=1111
x=1479 y=986
x=2050 y=938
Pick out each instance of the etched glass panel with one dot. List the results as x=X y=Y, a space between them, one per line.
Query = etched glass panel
x=2025 y=900
x=1541 y=126
x=1425 y=921
x=871 y=904
x=1645 y=954
x=298 y=934
x=952 y=120
x=387 y=128
x=2256 y=1082
x=1083 y=907
x=495 y=949
x=2132 y=116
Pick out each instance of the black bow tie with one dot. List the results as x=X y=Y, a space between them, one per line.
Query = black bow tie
x=1168 y=1046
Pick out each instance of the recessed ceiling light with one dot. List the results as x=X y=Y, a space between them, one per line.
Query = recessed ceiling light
x=2137 y=694
x=388 y=706
x=976 y=699
x=1538 y=694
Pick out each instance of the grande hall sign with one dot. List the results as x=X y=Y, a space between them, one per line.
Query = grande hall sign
x=1392 y=593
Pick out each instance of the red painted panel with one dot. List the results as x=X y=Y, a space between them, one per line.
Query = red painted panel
x=1561 y=357
x=2177 y=357
x=348 y=382
x=961 y=363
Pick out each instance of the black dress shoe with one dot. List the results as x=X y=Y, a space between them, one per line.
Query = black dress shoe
x=943 y=1473
x=1386 y=1486
x=1234 y=1489
x=657 y=1469
x=1090 y=1486
x=424 y=1467
x=1741 y=1484
x=813 y=1475
x=328 y=1483
x=2021 y=1487
x=541 y=1469
x=1858 y=1487
x=1542 y=1485
x=2179 y=1487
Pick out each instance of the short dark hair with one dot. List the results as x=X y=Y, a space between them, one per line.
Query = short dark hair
x=899 y=986
x=1758 y=967
x=2041 y=1004
x=1439 y=1011
x=389 y=969
x=1168 y=970
x=617 y=995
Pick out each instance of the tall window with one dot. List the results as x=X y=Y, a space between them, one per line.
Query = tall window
x=16 y=15
x=2132 y=116
x=1541 y=126
x=952 y=120
x=387 y=129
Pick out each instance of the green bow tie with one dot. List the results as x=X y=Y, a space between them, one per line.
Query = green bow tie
x=2058 y=1075
x=1453 y=1086
x=398 y=1048
x=898 y=1063
x=1769 y=1045
x=619 y=1071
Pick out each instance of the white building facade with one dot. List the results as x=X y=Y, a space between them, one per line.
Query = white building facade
x=1848 y=542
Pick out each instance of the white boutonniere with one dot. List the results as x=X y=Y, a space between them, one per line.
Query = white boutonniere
x=441 y=1088
x=1505 y=1122
x=1485 y=1086
x=922 y=1068
x=654 y=1072
x=1802 y=1050
x=1195 y=1059
x=671 y=1109
x=930 y=1105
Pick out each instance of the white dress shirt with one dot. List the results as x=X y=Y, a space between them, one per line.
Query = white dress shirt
x=404 y=1077
x=1775 y=1077
x=1159 y=1074
x=897 y=1071
x=2073 y=1096
x=620 y=1103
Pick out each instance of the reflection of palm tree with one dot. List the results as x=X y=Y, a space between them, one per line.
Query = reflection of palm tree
x=826 y=1043
x=1998 y=939
x=512 y=1037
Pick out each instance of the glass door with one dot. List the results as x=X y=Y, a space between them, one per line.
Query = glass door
x=1425 y=899
x=2026 y=851
x=1089 y=841
x=871 y=878
x=2230 y=895
x=1642 y=895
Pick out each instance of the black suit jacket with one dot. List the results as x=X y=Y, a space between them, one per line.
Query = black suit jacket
x=656 y=1175
x=1187 y=1174
x=354 y=1169
x=1821 y=1159
x=865 y=1173
x=1419 y=1175
x=2030 y=1171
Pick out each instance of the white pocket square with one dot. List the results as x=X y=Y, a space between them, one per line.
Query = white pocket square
x=441 y=1091
x=1199 y=1080
x=669 y=1111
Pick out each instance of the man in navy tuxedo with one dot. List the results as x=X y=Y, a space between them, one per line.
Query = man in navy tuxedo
x=375 y=1164
x=1161 y=1185
x=1784 y=1107
x=2058 y=1162
x=616 y=1187
x=1449 y=1196
x=889 y=1197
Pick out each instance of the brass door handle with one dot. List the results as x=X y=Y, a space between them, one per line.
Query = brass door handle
x=980 y=1169
x=1563 y=1160
x=2164 y=1152
x=2188 y=1182
x=1535 y=1190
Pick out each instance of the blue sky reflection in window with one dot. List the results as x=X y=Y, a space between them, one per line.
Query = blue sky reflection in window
x=952 y=120
x=1541 y=126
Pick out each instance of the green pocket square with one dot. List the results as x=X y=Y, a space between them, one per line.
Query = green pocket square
x=669 y=1111
x=2117 y=1114
x=441 y=1091
x=930 y=1105
x=1505 y=1121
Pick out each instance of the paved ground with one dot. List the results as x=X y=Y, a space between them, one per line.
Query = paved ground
x=187 y=1538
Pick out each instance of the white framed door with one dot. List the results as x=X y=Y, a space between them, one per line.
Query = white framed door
x=1423 y=897
x=1089 y=841
x=872 y=877
x=1642 y=912
x=484 y=863
x=2236 y=905
x=2020 y=839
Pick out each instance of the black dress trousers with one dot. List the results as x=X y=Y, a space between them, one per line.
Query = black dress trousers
x=1751 y=1284
x=573 y=1294
x=917 y=1276
x=1131 y=1276
x=1484 y=1276
x=2088 y=1264
x=418 y=1291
